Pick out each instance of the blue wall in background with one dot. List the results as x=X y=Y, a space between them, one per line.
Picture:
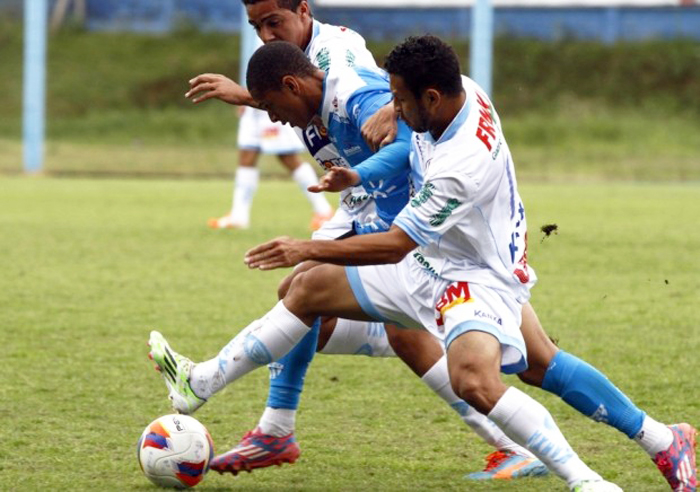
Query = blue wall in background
x=606 y=24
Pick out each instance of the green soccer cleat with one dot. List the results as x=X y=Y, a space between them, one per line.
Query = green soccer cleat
x=175 y=369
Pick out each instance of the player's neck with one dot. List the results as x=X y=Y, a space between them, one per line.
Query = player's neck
x=447 y=112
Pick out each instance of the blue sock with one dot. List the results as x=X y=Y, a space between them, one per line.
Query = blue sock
x=587 y=390
x=287 y=374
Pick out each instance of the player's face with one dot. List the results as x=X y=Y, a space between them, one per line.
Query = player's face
x=408 y=107
x=286 y=107
x=273 y=23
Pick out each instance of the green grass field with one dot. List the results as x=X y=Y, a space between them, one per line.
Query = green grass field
x=90 y=266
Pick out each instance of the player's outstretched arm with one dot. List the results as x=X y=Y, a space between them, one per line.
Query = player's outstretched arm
x=216 y=86
x=367 y=249
x=381 y=128
x=337 y=178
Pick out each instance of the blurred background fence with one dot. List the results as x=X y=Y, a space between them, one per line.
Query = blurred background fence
x=591 y=89
x=606 y=21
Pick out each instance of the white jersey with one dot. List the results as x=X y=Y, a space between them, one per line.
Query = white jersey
x=337 y=46
x=466 y=214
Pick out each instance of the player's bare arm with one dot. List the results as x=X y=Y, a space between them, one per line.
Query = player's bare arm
x=381 y=128
x=216 y=86
x=366 y=249
x=336 y=179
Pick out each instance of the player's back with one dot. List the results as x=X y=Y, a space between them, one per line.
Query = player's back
x=474 y=226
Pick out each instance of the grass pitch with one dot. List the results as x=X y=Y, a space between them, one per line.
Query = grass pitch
x=90 y=266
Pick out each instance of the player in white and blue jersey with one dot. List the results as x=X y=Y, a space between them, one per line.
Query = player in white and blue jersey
x=291 y=90
x=468 y=170
x=330 y=47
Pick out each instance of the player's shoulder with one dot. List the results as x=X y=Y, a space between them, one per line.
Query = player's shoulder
x=337 y=45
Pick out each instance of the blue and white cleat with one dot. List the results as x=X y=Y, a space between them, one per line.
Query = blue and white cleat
x=506 y=465
x=175 y=369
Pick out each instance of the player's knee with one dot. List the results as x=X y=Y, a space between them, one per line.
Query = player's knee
x=476 y=388
x=533 y=376
x=284 y=285
x=307 y=293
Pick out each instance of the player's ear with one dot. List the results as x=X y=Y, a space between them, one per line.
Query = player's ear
x=303 y=9
x=291 y=83
x=431 y=98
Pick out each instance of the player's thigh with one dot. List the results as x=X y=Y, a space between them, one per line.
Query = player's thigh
x=324 y=290
x=290 y=161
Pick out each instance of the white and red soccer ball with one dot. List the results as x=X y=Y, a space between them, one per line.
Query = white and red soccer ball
x=175 y=451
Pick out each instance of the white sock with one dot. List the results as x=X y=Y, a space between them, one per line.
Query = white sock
x=260 y=343
x=438 y=379
x=278 y=422
x=654 y=436
x=244 y=188
x=305 y=176
x=528 y=423
x=358 y=338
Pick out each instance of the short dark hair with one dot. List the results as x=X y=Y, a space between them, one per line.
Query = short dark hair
x=426 y=62
x=292 y=5
x=271 y=62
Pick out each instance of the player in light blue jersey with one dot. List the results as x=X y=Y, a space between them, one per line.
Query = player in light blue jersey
x=404 y=292
x=331 y=48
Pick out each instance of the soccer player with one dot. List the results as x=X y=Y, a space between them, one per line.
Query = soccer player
x=329 y=46
x=256 y=135
x=435 y=259
x=578 y=383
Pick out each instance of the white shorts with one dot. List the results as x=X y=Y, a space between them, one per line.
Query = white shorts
x=257 y=132
x=408 y=295
x=343 y=219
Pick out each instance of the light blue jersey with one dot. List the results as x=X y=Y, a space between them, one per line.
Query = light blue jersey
x=351 y=95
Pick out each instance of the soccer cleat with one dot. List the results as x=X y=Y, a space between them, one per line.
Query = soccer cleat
x=677 y=463
x=226 y=222
x=257 y=450
x=318 y=220
x=595 y=486
x=506 y=465
x=175 y=369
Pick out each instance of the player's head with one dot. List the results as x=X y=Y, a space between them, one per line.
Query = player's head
x=424 y=71
x=279 y=78
x=281 y=20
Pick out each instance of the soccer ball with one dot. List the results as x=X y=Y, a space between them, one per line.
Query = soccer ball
x=175 y=451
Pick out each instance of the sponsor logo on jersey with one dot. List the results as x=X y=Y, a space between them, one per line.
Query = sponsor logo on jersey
x=355 y=149
x=315 y=139
x=424 y=194
x=350 y=58
x=455 y=294
x=445 y=212
x=486 y=131
x=424 y=263
x=478 y=313
x=323 y=59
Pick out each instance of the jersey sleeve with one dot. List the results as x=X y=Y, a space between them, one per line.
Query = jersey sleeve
x=443 y=201
x=390 y=160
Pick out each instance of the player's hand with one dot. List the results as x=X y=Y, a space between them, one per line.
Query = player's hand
x=381 y=128
x=217 y=86
x=337 y=178
x=279 y=253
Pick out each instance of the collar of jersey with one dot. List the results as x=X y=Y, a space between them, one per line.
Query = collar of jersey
x=316 y=28
x=454 y=125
